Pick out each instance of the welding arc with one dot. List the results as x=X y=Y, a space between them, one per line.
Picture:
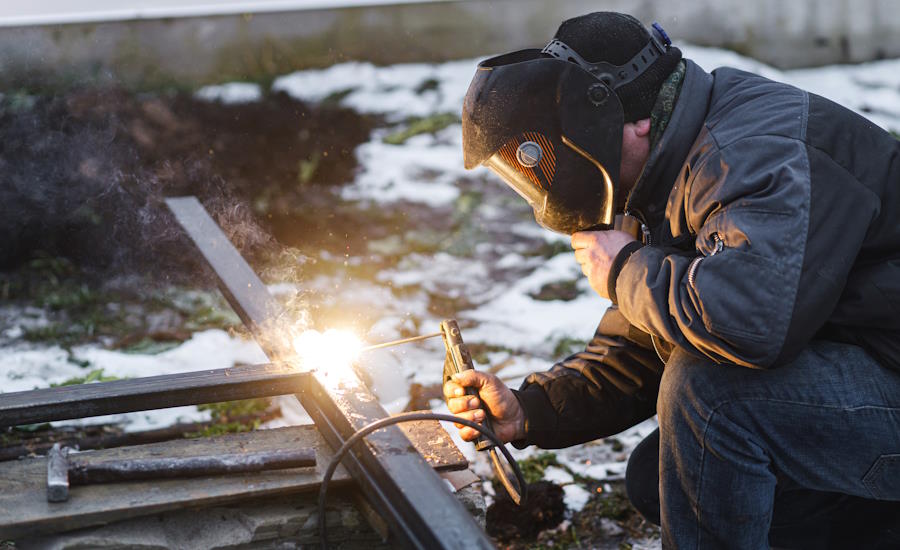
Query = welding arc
x=397 y=419
x=403 y=341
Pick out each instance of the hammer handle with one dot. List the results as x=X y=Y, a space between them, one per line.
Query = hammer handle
x=82 y=473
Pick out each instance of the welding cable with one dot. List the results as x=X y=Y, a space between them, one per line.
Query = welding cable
x=397 y=419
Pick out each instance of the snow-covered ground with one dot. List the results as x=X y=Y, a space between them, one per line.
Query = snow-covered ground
x=498 y=276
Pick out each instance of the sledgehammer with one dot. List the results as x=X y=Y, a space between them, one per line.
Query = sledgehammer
x=63 y=470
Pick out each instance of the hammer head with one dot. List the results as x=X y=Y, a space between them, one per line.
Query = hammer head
x=58 y=474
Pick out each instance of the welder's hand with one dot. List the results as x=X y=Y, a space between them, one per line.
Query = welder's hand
x=508 y=416
x=596 y=251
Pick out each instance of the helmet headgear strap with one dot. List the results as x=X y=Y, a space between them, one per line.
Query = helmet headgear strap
x=615 y=76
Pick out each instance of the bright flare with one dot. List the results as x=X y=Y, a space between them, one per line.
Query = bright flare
x=329 y=351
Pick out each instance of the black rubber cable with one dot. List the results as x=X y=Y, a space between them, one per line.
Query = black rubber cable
x=397 y=419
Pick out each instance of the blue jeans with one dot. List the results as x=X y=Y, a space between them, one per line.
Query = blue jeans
x=792 y=453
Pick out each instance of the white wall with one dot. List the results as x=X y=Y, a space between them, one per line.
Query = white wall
x=231 y=43
x=49 y=12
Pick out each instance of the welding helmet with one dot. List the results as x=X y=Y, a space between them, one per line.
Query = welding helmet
x=550 y=124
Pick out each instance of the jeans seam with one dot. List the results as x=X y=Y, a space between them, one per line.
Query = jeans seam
x=868 y=477
x=869 y=480
x=805 y=404
x=706 y=428
x=700 y=475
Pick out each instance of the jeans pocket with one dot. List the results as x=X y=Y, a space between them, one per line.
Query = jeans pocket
x=883 y=478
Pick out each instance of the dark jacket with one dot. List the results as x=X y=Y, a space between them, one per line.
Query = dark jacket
x=773 y=217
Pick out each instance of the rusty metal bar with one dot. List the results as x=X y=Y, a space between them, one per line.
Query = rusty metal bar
x=152 y=392
x=393 y=476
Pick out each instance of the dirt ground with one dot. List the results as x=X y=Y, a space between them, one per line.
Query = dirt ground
x=83 y=173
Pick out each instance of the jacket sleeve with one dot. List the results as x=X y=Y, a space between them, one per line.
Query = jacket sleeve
x=772 y=254
x=609 y=387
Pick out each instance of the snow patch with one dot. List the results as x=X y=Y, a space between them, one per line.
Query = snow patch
x=25 y=368
x=555 y=474
x=575 y=497
x=231 y=93
x=398 y=91
x=425 y=169
x=516 y=320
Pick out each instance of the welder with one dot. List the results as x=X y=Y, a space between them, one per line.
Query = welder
x=756 y=310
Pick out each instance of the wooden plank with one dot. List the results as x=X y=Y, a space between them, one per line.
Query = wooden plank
x=107 y=436
x=287 y=521
x=24 y=509
x=434 y=444
x=152 y=392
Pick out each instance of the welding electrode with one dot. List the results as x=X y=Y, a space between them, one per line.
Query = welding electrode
x=403 y=341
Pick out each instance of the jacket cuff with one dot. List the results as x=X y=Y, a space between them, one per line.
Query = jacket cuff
x=617 y=265
x=540 y=416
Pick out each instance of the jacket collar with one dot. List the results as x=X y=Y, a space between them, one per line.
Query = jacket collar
x=649 y=196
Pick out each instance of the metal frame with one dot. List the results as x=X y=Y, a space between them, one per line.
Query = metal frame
x=152 y=392
x=396 y=480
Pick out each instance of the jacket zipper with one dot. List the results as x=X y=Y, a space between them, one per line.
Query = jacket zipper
x=692 y=269
x=645 y=231
x=648 y=240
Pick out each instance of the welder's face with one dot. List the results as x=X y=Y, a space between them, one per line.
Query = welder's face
x=567 y=190
x=635 y=152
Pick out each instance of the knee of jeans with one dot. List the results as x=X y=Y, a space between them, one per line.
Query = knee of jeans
x=688 y=388
x=642 y=478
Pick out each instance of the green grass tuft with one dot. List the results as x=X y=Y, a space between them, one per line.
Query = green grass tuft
x=95 y=375
x=566 y=346
x=533 y=467
x=232 y=417
x=426 y=125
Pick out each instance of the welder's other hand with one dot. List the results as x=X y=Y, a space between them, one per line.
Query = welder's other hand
x=595 y=251
x=508 y=416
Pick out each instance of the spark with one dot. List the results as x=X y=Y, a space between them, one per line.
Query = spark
x=332 y=351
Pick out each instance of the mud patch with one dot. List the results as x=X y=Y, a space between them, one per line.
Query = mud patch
x=608 y=521
x=543 y=509
x=84 y=172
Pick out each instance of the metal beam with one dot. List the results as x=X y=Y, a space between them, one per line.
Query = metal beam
x=152 y=392
x=238 y=282
x=394 y=477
